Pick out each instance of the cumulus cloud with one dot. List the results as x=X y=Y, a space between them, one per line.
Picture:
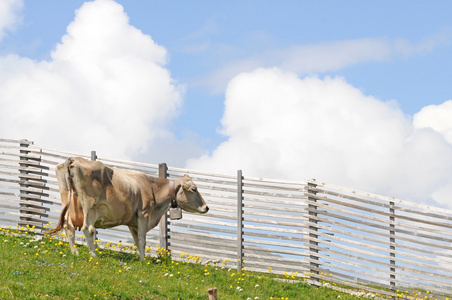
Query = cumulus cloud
x=281 y=126
x=437 y=118
x=105 y=88
x=323 y=57
x=10 y=15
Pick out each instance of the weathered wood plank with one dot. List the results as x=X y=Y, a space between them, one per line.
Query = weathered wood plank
x=361 y=250
x=247 y=226
x=202 y=235
x=277 y=243
x=386 y=213
x=295 y=190
x=220 y=243
x=378 y=281
x=194 y=173
x=273 y=195
x=199 y=221
x=299 y=217
x=377 y=233
x=276 y=181
x=385 y=199
x=209 y=188
x=192 y=249
x=268 y=264
x=266 y=252
x=276 y=201
x=275 y=236
x=399 y=227
x=273 y=222
x=207 y=229
x=298 y=269
x=423 y=212
x=299 y=209
x=209 y=182
x=359 y=238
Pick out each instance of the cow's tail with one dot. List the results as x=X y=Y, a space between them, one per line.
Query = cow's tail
x=69 y=184
x=59 y=227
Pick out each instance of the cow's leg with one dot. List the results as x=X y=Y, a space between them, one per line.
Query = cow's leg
x=89 y=218
x=139 y=239
x=89 y=214
x=90 y=240
x=70 y=232
x=134 y=232
x=142 y=229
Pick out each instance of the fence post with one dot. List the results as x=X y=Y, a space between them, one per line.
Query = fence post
x=312 y=221
x=239 y=220
x=24 y=181
x=93 y=155
x=392 y=246
x=32 y=186
x=94 y=158
x=212 y=293
x=163 y=224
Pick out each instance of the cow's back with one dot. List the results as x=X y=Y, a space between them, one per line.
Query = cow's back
x=91 y=177
x=136 y=193
x=129 y=190
x=113 y=194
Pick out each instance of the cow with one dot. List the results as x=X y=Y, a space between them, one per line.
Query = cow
x=94 y=195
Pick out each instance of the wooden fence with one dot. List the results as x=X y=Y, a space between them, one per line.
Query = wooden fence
x=328 y=235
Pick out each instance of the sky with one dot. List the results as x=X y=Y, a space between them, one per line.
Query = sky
x=354 y=93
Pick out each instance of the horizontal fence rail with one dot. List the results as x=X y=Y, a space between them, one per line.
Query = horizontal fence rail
x=274 y=234
x=329 y=235
x=371 y=241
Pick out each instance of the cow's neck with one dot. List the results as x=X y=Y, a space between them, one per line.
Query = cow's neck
x=172 y=193
x=168 y=192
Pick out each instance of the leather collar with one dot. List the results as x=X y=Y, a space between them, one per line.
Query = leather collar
x=172 y=193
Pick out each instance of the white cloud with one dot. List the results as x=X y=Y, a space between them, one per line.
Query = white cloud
x=437 y=118
x=104 y=88
x=323 y=57
x=280 y=126
x=10 y=15
x=171 y=150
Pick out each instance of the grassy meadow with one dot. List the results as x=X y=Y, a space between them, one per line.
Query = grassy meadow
x=33 y=268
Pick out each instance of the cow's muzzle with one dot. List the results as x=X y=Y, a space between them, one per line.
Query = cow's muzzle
x=203 y=209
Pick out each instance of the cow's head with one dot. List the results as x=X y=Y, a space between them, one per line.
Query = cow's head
x=188 y=197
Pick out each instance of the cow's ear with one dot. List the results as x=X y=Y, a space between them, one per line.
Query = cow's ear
x=186 y=186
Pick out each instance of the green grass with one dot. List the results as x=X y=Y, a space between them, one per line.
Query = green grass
x=35 y=269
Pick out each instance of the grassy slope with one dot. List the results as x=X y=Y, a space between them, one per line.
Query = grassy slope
x=34 y=269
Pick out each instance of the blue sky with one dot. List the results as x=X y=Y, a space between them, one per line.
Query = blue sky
x=222 y=85
x=218 y=32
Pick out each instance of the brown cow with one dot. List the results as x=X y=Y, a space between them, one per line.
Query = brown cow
x=94 y=195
